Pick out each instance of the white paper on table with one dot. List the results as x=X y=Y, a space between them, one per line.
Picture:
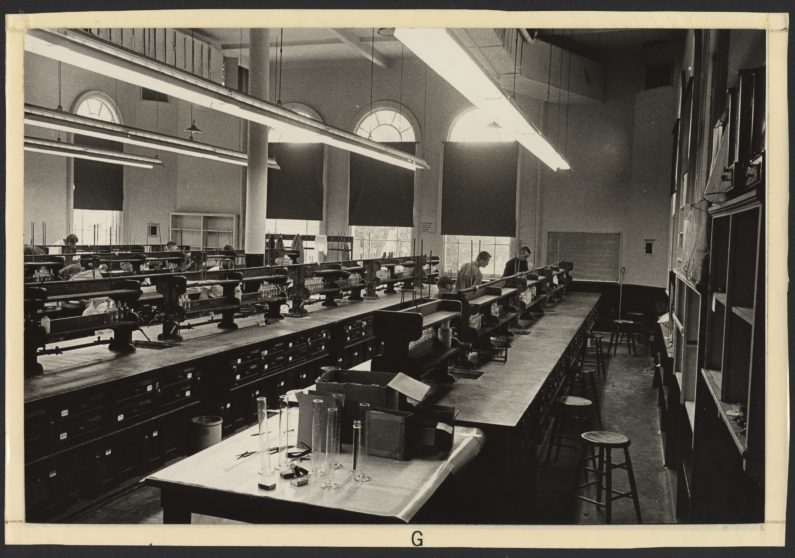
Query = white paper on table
x=408 y=386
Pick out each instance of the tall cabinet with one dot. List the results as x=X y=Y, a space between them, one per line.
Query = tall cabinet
x=729 y=445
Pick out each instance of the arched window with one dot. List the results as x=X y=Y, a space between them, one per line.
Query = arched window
x=98 y=195
x=290 y=136
x=96 y=104
x=388 y=123
x=474 y=125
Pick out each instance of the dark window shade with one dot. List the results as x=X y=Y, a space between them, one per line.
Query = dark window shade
x=98 y=185
x=479 y=189
x=381 y=194
x=296 y=191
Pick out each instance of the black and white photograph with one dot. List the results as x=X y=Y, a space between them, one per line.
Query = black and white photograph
x=490 y=271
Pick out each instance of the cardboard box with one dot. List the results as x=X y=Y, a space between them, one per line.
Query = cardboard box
x=387 y=436
x=426 y=431
x=359 y=387
x=431 y=430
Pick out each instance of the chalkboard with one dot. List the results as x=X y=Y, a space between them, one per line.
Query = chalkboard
x=596 y=256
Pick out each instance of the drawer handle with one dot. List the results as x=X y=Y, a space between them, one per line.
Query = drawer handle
x=155 y=433
x=237 y=376
x=228 y=405
x=149 y=387
x=108 y=452
x=187 y=393
x=265 y=367
x=189 y=375
x=63 y=436
x=290 y=344
x=52 y=474
x=64 y=412
x=120 y=417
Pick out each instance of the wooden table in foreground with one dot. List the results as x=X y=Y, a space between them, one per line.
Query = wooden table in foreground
x=221 y=483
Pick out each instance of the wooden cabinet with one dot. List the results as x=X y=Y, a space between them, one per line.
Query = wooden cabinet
x=687 y=332
x=729 y=449
x=203 y=231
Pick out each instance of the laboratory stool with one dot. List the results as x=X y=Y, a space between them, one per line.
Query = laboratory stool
x=582 y=380
x=568 y=409
x=638 y=326
x=601 y=443
x=592 y=355
x=623 y=332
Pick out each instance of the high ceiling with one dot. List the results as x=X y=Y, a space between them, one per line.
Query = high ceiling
x=310 y=44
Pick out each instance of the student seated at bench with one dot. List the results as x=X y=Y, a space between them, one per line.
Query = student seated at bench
x=217 y=291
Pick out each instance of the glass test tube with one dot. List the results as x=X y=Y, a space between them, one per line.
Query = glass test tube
x=264 y=445
x=361 y=434
x=332 y=447
x=284 y=430
x=318 y=436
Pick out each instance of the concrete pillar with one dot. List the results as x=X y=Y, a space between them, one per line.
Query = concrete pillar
x=257 y=180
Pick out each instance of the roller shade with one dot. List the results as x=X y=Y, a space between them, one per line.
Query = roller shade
x=381 y=194
x=98 y=185
x=296 y=191
x=479 y=189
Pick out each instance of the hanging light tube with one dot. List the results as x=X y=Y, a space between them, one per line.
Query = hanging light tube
x=448 y=58
x=63 y=149
x=74 y=123
x=86 y=51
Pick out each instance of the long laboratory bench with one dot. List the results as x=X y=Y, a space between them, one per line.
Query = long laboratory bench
x=510 y=402
x=97 y=421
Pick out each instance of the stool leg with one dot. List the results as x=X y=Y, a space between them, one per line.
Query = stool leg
x=608 y=487
x=600 y=460
x=632 y=485
x=596 y=400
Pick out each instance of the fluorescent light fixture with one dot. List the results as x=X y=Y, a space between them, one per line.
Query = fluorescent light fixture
x=74 y=123
x=92 y=153
x=448 y=58
x=83 y=50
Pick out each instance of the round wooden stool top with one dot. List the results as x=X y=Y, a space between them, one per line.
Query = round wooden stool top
x=574 y=401
x=606 y=439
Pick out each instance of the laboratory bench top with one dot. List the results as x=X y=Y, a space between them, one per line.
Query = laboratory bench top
x=88 y=366
x=501 y=396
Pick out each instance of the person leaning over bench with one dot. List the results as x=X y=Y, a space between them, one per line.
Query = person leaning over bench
x=470 y=274
x=517 y=264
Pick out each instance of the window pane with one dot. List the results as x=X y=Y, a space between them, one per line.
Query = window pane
x=386 y=125
x=475 y=126
x=95 y=226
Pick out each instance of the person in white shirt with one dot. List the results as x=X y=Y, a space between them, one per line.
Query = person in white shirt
x=470 y=274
